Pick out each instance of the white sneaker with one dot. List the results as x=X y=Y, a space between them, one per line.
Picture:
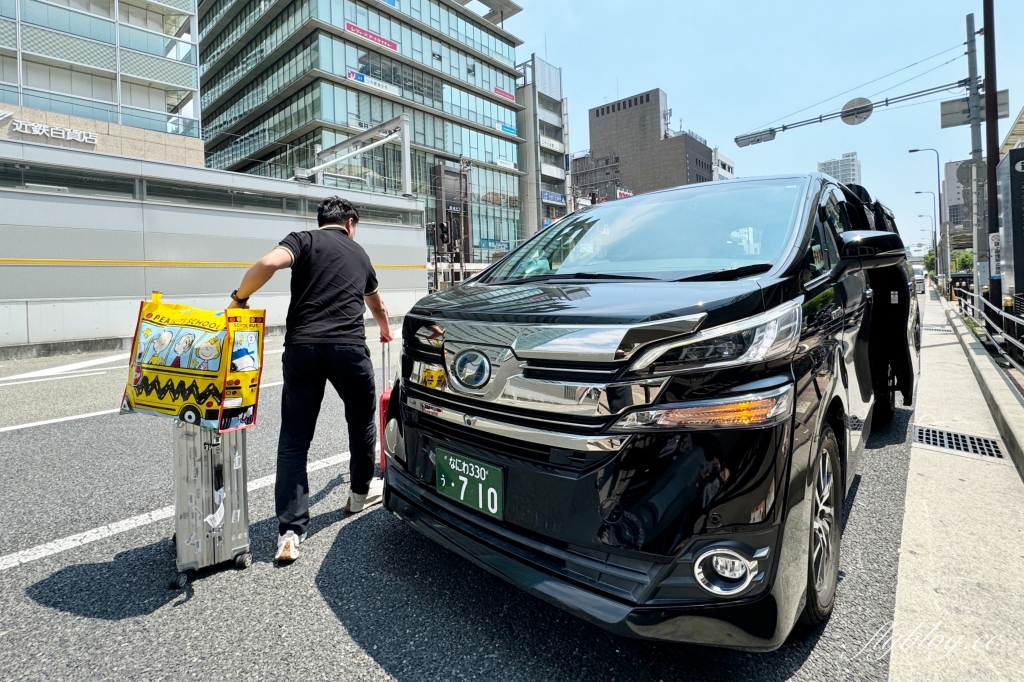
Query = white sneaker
x=375 y=495
x=288 y=547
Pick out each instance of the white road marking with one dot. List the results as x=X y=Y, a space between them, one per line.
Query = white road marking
x=90 y=414
x=57 y=421
x=89 y=536
x=61 y=369
x=60 y=376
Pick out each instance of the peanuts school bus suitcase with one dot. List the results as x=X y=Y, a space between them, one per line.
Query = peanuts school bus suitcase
x=211 y=502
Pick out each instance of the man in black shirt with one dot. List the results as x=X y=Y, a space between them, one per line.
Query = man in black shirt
x=332 y=280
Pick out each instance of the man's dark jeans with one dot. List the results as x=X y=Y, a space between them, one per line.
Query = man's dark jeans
x=307 y=368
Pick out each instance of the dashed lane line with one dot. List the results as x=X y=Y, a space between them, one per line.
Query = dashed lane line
x=77 y=540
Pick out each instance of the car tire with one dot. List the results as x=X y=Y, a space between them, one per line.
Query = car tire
x=826 y=526
x=885 y=401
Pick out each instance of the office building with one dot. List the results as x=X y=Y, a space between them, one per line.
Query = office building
x=722 y=166
x=544 y=123
x=282 y=80
x=114 y=76
x=845 y=169
x=633 y=149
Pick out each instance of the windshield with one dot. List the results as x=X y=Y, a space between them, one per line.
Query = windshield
x=919 y=270
x=671 y=235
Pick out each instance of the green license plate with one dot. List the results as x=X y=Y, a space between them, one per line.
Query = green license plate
x=469 y=482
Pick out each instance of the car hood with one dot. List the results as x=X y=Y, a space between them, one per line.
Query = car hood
x=589 y=303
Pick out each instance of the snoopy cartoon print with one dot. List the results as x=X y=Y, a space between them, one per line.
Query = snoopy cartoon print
x=207 y=352
x=243 y=360
x=158 y=345
x=183 y=346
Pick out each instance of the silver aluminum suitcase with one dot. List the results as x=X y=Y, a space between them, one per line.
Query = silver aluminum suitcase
x=211 y=502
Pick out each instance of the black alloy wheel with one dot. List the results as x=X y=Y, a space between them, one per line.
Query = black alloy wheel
x=826 y=523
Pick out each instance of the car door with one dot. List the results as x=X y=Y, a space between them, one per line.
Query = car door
x=820 y=339
x=855 y=296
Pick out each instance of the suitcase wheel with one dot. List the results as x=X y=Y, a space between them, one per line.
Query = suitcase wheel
x=180 y=580
x=243 y=561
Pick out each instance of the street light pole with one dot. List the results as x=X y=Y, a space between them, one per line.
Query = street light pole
x=938 y=188
x=935 y=244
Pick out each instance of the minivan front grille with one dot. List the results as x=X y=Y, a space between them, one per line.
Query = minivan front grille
x=570 y=372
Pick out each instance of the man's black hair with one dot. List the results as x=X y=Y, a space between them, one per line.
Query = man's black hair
x=335 y=211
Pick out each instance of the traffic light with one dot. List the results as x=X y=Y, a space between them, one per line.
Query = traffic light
x=444 y=233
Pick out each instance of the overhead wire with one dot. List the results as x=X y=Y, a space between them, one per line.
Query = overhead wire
x=875 y=80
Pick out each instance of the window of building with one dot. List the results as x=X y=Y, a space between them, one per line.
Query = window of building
x=648 y=98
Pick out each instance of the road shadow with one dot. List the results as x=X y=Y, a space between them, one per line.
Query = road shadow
x=424 y=613
x=134 y=583
x=896 y=433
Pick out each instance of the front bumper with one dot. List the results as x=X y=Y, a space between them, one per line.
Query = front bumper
x=761 y=622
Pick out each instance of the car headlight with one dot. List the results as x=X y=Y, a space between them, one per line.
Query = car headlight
x=771 y=335
x=743 y=411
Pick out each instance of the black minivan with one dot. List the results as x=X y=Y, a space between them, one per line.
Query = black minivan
x=649 y=414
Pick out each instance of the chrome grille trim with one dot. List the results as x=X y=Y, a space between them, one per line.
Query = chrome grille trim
x=516 y=432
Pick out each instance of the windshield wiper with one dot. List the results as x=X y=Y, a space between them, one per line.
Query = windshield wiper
x=572 y=275
x=729 y=273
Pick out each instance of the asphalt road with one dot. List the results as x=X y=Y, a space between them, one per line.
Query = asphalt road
x=370 y=599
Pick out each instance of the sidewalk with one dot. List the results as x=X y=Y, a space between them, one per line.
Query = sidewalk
x=960 y=593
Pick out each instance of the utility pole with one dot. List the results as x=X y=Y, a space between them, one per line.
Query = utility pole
x=974 y=104
x=992 y=135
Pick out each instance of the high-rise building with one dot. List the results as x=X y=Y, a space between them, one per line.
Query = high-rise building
x=114 y=76
x=633 y=149
x=544 y=122
x=283 y=80
x=722 y=166
x=845 y=169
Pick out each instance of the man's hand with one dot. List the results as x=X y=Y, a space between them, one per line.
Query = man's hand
x=386 y=338
x=236 y=304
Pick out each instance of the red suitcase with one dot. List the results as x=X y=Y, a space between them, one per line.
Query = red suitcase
x=385 y=398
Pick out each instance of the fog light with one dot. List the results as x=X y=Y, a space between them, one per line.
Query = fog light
x=724 y=572
x=391 y=437
x=728 y=567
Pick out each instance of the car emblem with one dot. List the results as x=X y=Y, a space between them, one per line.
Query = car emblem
x=472 y=369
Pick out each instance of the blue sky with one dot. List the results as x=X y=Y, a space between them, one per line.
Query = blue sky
x=730 y=67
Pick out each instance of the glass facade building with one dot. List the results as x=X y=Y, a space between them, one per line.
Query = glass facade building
x=133 y=62
x=283 y=81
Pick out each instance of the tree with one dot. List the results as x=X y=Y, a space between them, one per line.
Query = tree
x=929 y=260
x=963 y=261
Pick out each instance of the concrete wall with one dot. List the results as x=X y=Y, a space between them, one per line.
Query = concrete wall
x=111 y=138
x=202 y=252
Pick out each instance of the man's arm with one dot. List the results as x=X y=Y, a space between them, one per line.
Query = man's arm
x=261 y=272
x=380 y=314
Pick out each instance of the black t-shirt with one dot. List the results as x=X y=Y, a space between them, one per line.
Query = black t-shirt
x=330 y=276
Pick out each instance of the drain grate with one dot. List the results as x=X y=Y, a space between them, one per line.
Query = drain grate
x=937 y=328
x=957 y=441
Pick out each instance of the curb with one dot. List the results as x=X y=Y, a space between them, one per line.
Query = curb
x=1004 y=403
x=42 y=350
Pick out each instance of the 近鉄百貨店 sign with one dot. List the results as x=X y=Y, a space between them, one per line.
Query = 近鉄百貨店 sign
x=53 y=132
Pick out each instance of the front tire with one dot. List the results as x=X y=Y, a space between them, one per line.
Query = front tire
x=826 y=523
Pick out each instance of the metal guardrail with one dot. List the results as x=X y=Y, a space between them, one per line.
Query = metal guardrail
x=1009 y=328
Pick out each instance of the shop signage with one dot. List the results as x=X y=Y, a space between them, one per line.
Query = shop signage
x=504 y=128
x=374 y=83
x=507 y=95
x=372 y=37
x=553 y=145
x=496 y=244
x=506 y=164
x=552 y=198
x=623 y=194
x=53 y=132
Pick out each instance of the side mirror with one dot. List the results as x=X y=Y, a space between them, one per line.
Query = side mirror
x=867 y=249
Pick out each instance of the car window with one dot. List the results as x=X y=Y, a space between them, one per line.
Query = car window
x=817 y=254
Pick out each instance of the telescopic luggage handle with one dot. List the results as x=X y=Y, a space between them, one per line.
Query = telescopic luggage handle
x=385 y=358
